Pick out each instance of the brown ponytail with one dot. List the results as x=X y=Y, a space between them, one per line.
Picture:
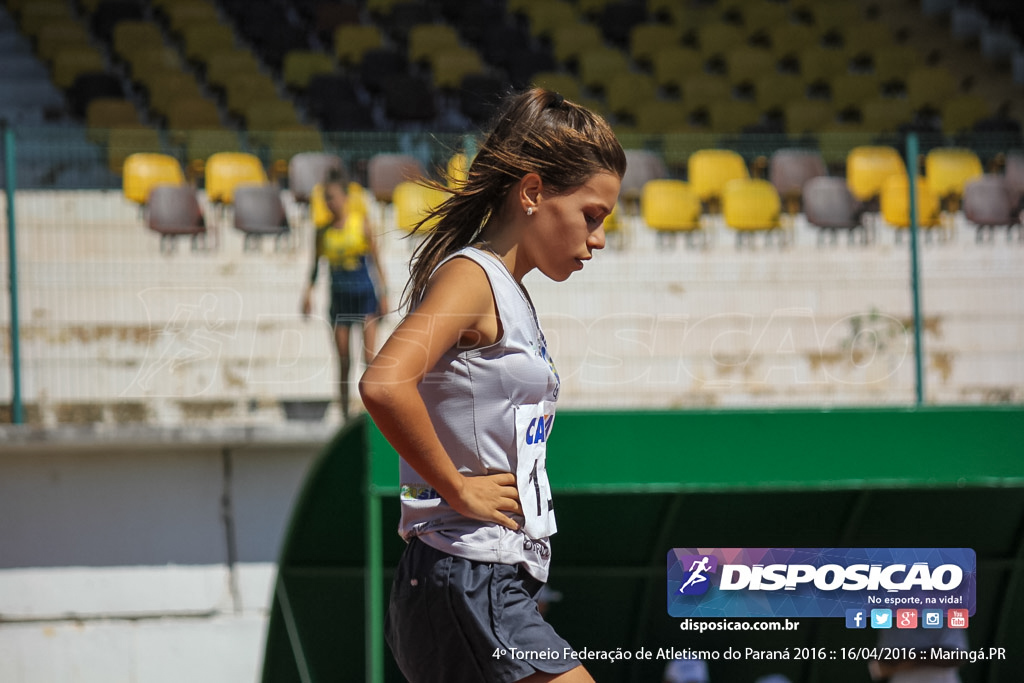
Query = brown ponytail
x=538 y=131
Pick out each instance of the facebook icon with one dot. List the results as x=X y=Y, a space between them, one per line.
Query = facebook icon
x=856 y=618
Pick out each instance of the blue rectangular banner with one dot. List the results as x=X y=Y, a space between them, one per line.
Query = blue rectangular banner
x=819 y=582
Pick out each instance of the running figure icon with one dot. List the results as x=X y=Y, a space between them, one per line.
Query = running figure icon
x=697 y=570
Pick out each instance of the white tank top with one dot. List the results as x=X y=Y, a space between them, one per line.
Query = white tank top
x=492 y=408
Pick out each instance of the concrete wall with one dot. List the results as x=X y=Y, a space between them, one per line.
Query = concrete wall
x=143 y=555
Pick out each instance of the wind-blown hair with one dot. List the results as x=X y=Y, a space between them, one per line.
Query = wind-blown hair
x=538 y=131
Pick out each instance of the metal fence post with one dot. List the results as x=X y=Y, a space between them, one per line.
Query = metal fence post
x=915 y=272
x=17 y=411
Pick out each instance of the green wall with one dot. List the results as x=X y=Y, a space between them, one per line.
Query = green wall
x=631 y=485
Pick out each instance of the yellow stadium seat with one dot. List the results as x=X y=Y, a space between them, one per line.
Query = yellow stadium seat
x=181 y=15
x=227 y=65
x=930 y=86
x=661 y=116
x=425 y=40
x=451 y=65
x=148 y=65
x=227 y=170
x=961 y=113
x=732 y=116
x=718 y=38
x=568 y=42
x=851 y=89
x=200 y=145
x=123 y=142
x=807 y=116
x=670 y=206
x=745 y=64
x=672 y=65
x=352 y=41
x=143 y=171
x=563 y=83
x=947 y=170
x=457 y=170
x=169 y=87
x=868 y=166
x=192 y=113
x=885 y=114
x=597 y=66
x=413 y=202
x=626 y=92
x=773 y=91
x=819 y=63
x=646 y=40
x=710 y=169
x=35 y=15
x=701 y=90
x=300 y=66
x=104 y=113
x=895 y=203
x=132 y=35
x=545 y=17
x=204 y=39
x=750 y=205
x=893 y=62
x=243 y=90
x=788 y=39
x=61 y=34
x=70 y=62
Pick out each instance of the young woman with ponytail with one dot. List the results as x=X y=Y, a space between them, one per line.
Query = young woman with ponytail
x=465 y=391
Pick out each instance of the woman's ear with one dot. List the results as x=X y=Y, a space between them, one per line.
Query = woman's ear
x=530 y=188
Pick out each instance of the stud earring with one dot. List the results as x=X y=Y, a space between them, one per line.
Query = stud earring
x=529 y=211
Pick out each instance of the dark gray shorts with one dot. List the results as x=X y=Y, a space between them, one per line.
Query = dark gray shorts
x=453 y=620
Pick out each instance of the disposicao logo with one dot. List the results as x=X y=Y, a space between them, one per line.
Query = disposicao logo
x=696 y=580
x=817 y=582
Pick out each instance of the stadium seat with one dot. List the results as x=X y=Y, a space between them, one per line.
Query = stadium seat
x=790 y=169
x=352 y=41
x=627 y=92
x=201 y=144
x=73 y=61
x=718 y=39
x=130 y=36
x=386 y=171
x=569 y=41
x=457 y=170
x=426 y=40
x=930 y=86
x=642 y=166
x=988 y=204
x=104 y=113
x=732 y=116
x=300 y=66
x=598 y=65
x=646 y=40
x=192 y=113
x=959 y=114
x=885 y=114
x=227 y=170
x=851 y=89
x=672 y=65
x=829 y=206
x=788 y=39
x=260 y=212
x=284 y=143
x=773 y=91
x=867 y=168
x=947 y=170
x=143 y=171
x=818 y=63
x=710 y=169
x=412 y=203
x=661 y=116
x=563 y=83
x=671 y=206
x=746 y=64
x=750 y=205
x=173 y=210
x=60 y=34
x=450 y=66
x=307 y=169
x=545 y=17
x=123 y=142
x=895 y=204
x=893 y=62
x=807 y=116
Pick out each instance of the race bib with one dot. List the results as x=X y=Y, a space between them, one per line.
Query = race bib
x=533 y=427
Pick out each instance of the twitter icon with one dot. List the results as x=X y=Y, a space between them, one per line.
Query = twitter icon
x=881 y=618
